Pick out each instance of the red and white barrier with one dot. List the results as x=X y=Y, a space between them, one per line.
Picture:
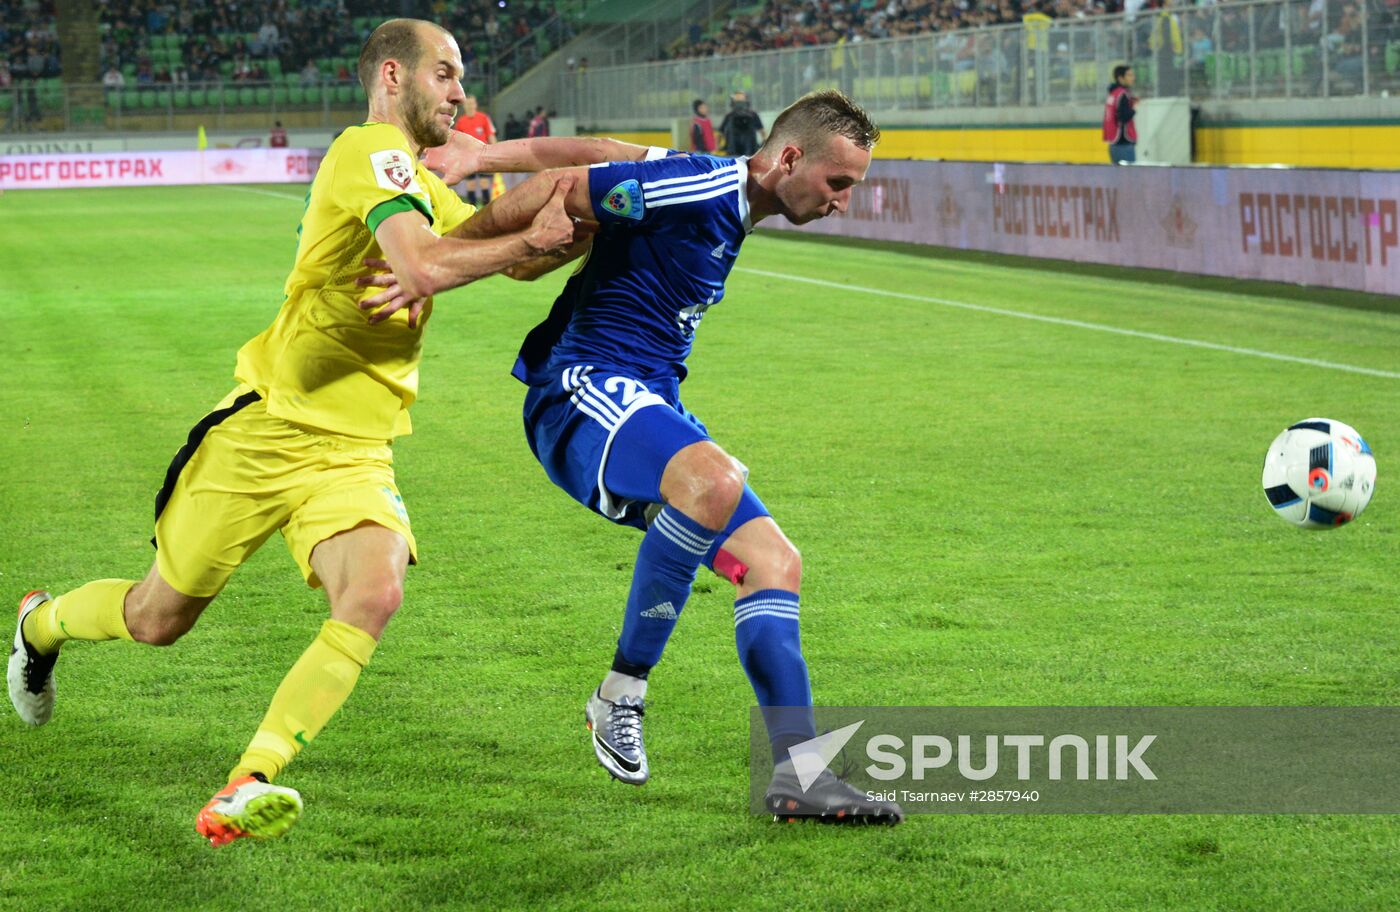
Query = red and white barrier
x=145 y=169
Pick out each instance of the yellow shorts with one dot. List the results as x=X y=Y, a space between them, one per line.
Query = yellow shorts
x=243 y=474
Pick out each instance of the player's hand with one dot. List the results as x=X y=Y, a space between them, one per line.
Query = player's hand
x=392 y=299
x=552 y=230
x=456 y=158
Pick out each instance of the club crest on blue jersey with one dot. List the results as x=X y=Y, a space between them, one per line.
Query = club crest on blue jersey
x=625 y=200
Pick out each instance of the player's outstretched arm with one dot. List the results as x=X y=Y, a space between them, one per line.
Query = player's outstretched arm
x=422 y=264
x=516 y=208
x=463 y=154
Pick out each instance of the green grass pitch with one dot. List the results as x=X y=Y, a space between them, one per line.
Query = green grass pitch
x=992 y=510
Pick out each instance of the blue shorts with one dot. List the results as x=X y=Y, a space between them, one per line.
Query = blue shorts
x=605 y=438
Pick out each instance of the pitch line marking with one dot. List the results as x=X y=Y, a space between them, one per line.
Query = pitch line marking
x=1004 y=312
x=1080 y=324
x=298 y=197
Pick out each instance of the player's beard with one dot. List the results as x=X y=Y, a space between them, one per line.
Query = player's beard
x=420 y=116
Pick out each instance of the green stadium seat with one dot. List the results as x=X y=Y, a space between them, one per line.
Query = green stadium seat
x=247 y=97
x=7 y=101
x=1304 y=60
x=274 y=69
x=148 y=98
x=198 y=98
x=280 y=96
x=180 y=98
x=131 y=99
x=344 y=94
x=296 y=95
x=129 y=71
x=230 y=97
x=291 y=79
x=313 y=94
x=1266 y=64
x=263 y=97
x=1392 y=57
x=1212 y=62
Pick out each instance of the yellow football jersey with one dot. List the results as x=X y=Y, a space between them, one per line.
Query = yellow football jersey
x=321 y=364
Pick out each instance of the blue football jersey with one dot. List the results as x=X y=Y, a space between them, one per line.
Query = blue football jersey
x=671 y=228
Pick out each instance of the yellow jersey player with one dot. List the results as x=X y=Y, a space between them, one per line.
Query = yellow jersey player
x=302 y=444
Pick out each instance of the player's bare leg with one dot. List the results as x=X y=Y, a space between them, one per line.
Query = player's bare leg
x=362 y=570
x=158 y=614
x=149 y=612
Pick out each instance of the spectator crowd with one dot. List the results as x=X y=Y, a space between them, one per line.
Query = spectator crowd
x=247 y=34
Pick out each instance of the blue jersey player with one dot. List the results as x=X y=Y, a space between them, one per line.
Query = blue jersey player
x=604 y=417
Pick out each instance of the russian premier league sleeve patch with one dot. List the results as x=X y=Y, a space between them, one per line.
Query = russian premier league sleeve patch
x=394 y=170
x=625 y=200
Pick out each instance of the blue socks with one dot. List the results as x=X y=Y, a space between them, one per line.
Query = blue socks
x=765 y=627
x=671 y=553
x=766 y=632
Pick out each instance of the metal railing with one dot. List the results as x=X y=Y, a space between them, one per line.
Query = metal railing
x=1233 y=50
x=516 y=58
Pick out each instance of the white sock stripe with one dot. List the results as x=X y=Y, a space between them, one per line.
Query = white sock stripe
x=675 y=530
x=774 y=612
x=765 y=613
x=697 y=537
x=679 y=542
x=689 y=178
x=766 y=603
x=698 y=552
x=784 y=606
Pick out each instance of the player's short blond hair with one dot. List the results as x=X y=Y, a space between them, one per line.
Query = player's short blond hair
x=811 y=121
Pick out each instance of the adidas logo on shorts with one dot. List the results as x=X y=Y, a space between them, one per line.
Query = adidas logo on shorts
x=663 y=612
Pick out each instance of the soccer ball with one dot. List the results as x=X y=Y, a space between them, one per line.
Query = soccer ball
x=1319 y=473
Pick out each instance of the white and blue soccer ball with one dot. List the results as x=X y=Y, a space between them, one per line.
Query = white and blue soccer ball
x=1319 y=473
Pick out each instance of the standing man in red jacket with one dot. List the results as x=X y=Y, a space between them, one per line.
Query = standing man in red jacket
x=1118 y=109
x=702 y=131
x=477 y=125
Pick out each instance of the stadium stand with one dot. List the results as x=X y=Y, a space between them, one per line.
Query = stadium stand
x=160 y=55
x=777 y=24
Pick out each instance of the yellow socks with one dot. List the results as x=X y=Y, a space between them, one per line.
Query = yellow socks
x=91 y=612
x=309 y=695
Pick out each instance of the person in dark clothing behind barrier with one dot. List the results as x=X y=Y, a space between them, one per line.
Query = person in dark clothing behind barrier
x=741 y=127
x=1119 y=107
x=702 y=130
